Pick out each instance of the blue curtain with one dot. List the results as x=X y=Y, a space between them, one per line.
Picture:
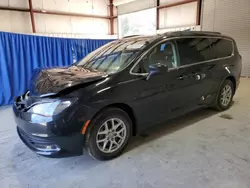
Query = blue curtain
x=21 y=54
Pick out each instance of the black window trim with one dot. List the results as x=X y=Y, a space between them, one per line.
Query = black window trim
x=182 y=66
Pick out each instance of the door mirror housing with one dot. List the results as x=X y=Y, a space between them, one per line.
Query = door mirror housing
x=156 y=69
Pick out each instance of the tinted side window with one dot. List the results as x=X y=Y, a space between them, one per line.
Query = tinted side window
x=194 y=50
x=221 y=47
x=163 y=53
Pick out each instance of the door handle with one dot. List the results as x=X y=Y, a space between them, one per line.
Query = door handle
x=195 y=76
x=200 y=76
x=182 y=77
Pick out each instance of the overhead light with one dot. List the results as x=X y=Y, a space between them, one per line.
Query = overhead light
x=44 y=11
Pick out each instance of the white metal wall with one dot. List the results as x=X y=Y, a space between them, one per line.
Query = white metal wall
x=116 y=26
x=96 y=7
x=177 y=16
x=15 y=3
x=230 y=17
x=14 y=21
x=70 y=24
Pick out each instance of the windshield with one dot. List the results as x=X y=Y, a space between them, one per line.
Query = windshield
x=113 y=56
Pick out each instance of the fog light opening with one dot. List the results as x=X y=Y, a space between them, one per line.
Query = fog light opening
x=49 y=148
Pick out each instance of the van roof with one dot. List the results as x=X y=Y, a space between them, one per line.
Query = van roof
x=174 y=34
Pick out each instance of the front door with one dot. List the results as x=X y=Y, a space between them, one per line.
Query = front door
x=153 y=100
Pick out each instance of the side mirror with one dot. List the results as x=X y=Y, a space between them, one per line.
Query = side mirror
x=156 y=69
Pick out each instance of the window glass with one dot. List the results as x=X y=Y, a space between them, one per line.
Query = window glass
x=194 y=50
x=115 y=56
x=136 y=45
x=221 y=47
x=140 y=22
x=112 y=62
x=94 y=53
x=162 y=54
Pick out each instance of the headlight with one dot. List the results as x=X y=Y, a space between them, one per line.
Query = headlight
x=50 y=108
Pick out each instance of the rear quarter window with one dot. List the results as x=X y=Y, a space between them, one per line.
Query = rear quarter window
x=200 y=49
x=221 y=47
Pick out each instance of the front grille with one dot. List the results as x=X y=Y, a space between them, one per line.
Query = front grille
x=32 y=142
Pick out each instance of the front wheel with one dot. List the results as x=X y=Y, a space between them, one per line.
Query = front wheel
x=109 y=134
x=225 y=96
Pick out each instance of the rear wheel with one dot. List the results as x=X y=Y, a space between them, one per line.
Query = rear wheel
x=225 y=96
x=109 y=134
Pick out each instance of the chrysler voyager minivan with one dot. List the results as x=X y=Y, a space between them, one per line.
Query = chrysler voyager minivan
x=124 y=87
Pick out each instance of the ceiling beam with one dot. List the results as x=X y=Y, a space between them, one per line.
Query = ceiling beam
x=15 y=9
x=111 y=14
x=32 y=17
x=198 y=13
x=157 y=15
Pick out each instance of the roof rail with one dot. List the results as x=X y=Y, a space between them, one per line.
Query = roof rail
x=187 y=32
x=131 y=36
x=206 y=32
x=197 y=32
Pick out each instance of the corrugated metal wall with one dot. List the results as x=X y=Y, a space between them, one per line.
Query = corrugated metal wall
x=230 y=17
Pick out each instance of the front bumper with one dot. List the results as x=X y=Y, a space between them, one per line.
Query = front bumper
x=53 y=145
x=58 y=137
x=51 y=136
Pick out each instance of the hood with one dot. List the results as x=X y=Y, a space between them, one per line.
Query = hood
x=57 y=79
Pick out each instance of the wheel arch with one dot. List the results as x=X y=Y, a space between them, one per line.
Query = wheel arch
x=233 y=80
x=124 y=107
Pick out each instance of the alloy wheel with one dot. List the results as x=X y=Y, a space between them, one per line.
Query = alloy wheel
x=111 y=135
x=226 y=95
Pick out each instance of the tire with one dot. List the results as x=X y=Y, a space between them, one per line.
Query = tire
x=99 y=137
x=220 y=105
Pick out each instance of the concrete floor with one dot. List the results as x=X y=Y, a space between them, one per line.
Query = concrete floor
x=201 y=149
